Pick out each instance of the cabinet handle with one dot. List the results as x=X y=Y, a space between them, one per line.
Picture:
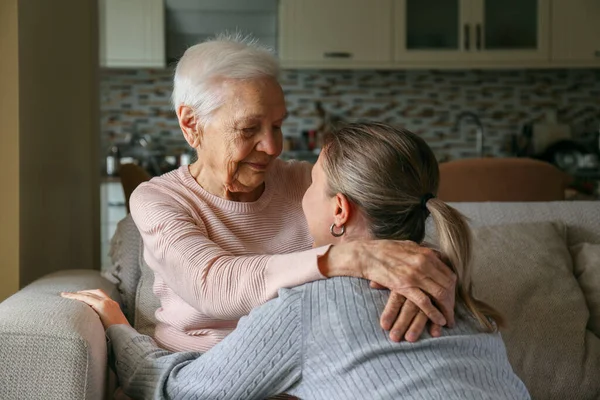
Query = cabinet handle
x=478 y=37
x=467 y=37
x=337 y=54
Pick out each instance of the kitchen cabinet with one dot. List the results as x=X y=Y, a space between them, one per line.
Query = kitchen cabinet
x=511 y=30
x=576 y=32
x=471 y=32
x=335 y=33
x=431 y=31
x=132 y=33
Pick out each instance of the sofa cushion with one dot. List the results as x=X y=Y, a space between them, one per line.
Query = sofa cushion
x=582 y=217
x=125 y=253
x=132 y=276
x=525 y=271
x=586 y=264
x=146 y=302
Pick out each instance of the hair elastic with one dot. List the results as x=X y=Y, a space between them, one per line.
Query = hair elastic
x=426 y=197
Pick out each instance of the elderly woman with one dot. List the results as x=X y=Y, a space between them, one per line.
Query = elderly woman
x=322 y=340
x=224 y=234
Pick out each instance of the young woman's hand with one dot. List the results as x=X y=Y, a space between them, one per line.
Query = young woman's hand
x=107 y=309
x=410 y=271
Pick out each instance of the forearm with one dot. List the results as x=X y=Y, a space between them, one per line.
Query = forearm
x=231 y=287
x=260 y=358
x=142 y=367
x=217 y=283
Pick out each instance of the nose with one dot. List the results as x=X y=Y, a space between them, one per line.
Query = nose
x=270 y=142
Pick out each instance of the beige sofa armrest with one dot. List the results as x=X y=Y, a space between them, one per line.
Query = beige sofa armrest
x=51 y=347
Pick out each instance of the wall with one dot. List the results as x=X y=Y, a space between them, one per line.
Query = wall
x=426 y=102
x=58 y=63
x=9 y=149
x=53 y=114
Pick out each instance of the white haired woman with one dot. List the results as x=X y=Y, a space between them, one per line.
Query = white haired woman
x=225 y=233
x=321 y=340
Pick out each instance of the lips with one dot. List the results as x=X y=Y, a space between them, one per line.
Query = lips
x=258 y=166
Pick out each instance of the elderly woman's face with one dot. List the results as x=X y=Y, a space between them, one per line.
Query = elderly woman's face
x=243 y=137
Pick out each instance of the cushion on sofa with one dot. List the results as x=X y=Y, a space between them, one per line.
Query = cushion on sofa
x=586 y=264
x=147 y=303
x=125 y=249
x=526 y=272
x=133 y=277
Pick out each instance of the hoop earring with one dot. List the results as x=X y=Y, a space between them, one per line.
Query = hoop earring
x=337 y=234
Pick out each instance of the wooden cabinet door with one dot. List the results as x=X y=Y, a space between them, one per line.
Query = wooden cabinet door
x=431 y=31
x=511 y=30
x=335 y=33
x=576 y=31
x=132 y=33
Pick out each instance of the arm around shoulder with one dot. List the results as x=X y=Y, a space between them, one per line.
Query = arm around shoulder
x=210 y=279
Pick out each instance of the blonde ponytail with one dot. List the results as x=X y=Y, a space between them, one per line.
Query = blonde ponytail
x=455 y=241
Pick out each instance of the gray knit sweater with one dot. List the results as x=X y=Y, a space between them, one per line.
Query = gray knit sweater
x=321 y=340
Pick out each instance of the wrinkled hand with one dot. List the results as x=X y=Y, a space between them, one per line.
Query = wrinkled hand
x=107 y=309
x=404 y=319
x=415 y=273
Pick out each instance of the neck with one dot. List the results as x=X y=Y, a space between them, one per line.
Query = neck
x=215 y=186
x=356 y=229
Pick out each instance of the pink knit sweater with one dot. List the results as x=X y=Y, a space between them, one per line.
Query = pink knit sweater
x=214 y=259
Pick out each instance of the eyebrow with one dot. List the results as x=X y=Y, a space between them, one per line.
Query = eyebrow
x=255 y=117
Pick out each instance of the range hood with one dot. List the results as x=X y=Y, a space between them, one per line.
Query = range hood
x=191 y=21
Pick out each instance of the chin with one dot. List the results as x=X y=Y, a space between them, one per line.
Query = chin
x=252 y=179
x=248 y=185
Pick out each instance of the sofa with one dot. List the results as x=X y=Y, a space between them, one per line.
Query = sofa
x=538 y=263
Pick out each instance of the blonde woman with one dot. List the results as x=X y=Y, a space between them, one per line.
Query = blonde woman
x=322 y=340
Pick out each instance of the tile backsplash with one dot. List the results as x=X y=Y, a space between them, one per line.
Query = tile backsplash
x=425 y=101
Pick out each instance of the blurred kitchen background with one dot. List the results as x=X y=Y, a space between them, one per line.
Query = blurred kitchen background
x=475 y=78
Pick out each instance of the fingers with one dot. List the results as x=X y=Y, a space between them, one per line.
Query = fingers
x=375 y=285
x=424 y=304
x=90 y=299
x=435 y=330
x=98 y=292
x=443 y=298
x=392 y=310
x=416 y=327
x=407 y=314
x=107 y=309
x=434 y=268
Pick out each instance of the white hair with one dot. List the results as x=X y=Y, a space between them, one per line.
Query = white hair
x=203 y=66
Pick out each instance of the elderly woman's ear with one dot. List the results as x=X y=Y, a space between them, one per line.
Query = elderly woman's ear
x=189 y=123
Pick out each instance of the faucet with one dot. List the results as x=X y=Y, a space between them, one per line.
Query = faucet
x=480 y=131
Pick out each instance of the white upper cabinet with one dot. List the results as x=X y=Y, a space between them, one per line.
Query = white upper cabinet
x=132 y=33
x=471 y=32
x=391 y=34
x=576 y=32
x=511 y=30
x=427 y=31
x=335 y=33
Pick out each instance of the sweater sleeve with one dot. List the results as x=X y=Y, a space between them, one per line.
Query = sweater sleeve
x=210 y=279
x=260 y=358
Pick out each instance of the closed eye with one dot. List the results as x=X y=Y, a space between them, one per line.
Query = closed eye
x=250 y=130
